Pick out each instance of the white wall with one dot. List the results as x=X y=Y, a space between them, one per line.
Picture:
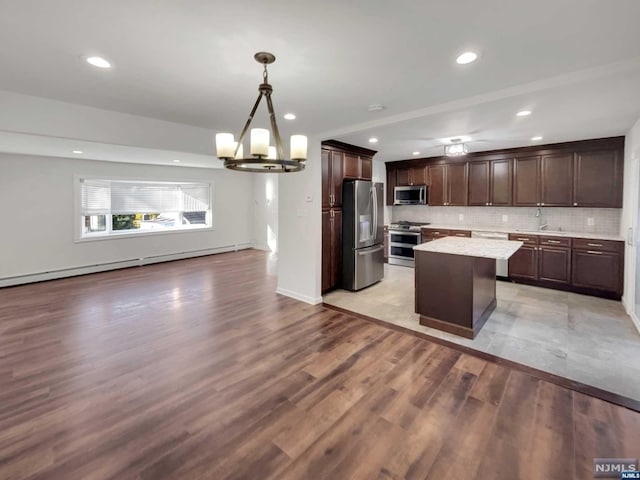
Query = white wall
x=379 y=174
x=41 y=116
x=629 y=214
x=37 y=212
x=265 y=201
x=300 y=230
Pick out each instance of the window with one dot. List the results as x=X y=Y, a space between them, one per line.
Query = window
x=124 y=207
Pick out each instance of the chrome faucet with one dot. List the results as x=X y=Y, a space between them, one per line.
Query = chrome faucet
x=541 y=226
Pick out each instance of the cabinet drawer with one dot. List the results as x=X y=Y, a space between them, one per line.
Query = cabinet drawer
x=460 y=233
x=598 y=245
x=555 y=241
x=524 y=238
x=434 y=232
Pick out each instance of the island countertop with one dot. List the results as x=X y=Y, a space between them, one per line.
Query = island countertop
x=471 y=247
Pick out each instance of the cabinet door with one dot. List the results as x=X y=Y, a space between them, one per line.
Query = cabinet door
x=526 y=181
x=326 y=179
x=391 y=183
x=418 y=176
x=500 y=182
x=351 y=166
x=479 y=183
x=598 y=179
x=326 y=250
x=556 y=180
x=457 y=184
x=524 y=263
x=436 y=192
x=402 y=177
x=554 y=264
x=337 y=176
x=365 y=168
x=336 y=248
x=596 y=269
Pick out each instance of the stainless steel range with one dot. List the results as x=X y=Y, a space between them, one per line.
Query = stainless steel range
x=403 y=236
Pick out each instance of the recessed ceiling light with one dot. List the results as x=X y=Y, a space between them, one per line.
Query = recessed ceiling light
x=289 y=116
x=536 y=139
x=176 y=161
x=78 y=152
x=373 y=140
x=416 y=153
x=523 y=113
x=376 y=107
x=466 y=57
x=98 y=62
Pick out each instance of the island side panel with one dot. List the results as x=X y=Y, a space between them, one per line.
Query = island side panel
x=444 y=291
x=484 y=291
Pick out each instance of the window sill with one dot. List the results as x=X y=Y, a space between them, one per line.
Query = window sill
x=114 y=236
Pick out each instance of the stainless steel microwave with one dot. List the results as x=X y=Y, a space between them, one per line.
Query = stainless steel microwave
x=410 y=195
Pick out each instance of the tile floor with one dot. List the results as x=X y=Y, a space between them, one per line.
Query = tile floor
x=587 y=339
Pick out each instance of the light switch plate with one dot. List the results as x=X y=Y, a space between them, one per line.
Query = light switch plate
x=461 y=217
x=505 y=218
x=591 y=221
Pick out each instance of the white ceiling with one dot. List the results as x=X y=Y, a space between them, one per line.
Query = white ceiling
x=575 y=63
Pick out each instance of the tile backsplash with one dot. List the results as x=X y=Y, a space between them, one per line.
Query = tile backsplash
x=574 y=219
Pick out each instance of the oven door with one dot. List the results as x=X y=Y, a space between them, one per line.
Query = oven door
x=401 y=247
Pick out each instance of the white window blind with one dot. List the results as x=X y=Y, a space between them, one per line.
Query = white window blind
x=129 y=197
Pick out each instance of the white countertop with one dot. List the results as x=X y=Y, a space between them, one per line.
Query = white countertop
x=547 y=233
x=472 y=247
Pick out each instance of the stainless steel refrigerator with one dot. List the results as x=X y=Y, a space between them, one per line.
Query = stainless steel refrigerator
x=362 y=234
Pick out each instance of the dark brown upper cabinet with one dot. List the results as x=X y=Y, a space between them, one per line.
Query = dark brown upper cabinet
x=597 y=180
x=526 y=181
x=586 y=173
x=437 y=194
x=490 y=183
x=448 y=184
x=366 y=167
x=543 y=181
x=332 y=177
x=501 y=179
x=351 y=165
x=457 y=180
x=556 y=180
x=411 y=176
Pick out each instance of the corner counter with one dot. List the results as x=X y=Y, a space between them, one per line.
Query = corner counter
x=455 y=281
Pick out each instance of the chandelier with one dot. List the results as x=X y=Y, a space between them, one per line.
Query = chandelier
x=264 y=158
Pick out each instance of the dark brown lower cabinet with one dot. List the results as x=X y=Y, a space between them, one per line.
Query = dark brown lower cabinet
x=524 y=263
x=598 y=270
x=581 y=265
x=331 y=248
x=554 y=264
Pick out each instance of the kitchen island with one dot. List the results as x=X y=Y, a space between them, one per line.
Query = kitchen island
x=455 y=280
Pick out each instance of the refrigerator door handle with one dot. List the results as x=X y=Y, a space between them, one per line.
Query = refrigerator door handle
x=369 y=251
x=374 y=208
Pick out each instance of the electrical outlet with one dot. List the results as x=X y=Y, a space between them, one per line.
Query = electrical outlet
x=461 y=217
x=591 y=221
x=505 y=218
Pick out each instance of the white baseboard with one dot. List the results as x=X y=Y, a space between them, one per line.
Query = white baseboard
x=636 y=321
x=102 y=267
x=299 y=296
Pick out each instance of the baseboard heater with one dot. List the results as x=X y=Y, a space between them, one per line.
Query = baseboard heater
x=103 y=267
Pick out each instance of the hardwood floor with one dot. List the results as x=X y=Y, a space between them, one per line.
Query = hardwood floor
x=196 y=369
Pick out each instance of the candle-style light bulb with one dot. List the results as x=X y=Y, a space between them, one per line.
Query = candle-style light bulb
x=259 y=141
x=298 y=147
x=225 y=146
